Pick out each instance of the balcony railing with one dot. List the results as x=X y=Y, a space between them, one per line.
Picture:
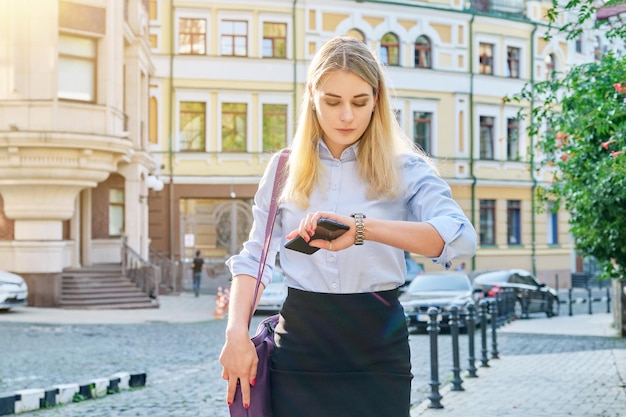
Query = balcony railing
x=505 y=7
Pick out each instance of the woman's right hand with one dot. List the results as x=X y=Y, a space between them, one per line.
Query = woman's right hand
x=239 y=361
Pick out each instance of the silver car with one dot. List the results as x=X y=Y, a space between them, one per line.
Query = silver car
x=13 y=291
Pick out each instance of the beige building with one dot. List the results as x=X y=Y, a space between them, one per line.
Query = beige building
x=101 y=100
x=74 y=157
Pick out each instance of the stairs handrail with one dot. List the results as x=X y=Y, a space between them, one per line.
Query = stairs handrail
x=171 y=279
x=146 y=275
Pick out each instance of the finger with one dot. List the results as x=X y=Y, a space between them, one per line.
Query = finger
x=245 y=392
x=230 y=391
x=305 y=228
x=253 y=370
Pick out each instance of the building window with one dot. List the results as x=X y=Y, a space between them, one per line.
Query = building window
x=552 y=226
x=357 y=34
x=486 y=58
x=512 y=62
x=579 y=44
x=487 y=222
x=274 y=40
x=486 y=137
x=116 y=212
x=192 y=126
x=513 y=222
x=234 y=38
x=423 y=52
x=597 y=50
x=153 y=121
x=153 y=8
x=76 y=74
x=550 y=67
x=274 y=126
x=192 y=36
x=234 y=127
x=422 y=130
x=512 y=139
x=390 y=49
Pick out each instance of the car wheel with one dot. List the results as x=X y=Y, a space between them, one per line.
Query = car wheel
x=553 y=307
x=518 y=310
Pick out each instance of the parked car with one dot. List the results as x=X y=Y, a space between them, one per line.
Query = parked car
x=438 y=289
x=13 y=290
x=274 y=294
x=531 y=296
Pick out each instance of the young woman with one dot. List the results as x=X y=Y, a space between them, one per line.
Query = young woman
x=342 y=343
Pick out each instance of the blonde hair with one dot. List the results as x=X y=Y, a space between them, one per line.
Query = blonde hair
x=381 y=143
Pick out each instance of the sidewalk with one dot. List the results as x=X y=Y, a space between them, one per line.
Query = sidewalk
x=172 y=308
x=582 y=383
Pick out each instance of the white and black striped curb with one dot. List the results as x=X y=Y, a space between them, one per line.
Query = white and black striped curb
x=40 y=398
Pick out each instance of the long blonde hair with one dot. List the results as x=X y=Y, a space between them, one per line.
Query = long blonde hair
x=380 y=144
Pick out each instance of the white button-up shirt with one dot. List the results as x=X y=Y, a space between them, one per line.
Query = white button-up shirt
x=373 y=266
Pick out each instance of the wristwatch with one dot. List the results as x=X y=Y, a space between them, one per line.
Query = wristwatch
x=360 y=228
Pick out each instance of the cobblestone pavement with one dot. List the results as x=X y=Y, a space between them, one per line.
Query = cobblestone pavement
x=183 y=373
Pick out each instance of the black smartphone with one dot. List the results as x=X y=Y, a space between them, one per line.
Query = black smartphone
x=326 y=229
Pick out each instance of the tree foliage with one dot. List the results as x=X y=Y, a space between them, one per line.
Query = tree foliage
x=579 y=122
x=585 y=12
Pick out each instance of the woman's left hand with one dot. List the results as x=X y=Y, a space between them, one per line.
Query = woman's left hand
x=309 y=224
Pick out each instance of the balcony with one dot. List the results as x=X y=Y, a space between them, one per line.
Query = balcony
x=499 y=7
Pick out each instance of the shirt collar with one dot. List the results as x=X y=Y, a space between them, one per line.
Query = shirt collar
x=348 y=154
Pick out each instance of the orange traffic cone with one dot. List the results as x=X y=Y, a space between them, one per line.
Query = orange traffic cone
x=219 y=304
x=226 y=299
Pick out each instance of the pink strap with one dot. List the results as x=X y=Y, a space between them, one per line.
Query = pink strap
x=271 y=219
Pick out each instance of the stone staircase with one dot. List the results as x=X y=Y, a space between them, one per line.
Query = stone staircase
x=101 y=287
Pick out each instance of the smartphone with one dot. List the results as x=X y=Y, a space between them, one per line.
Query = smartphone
x=326 y=229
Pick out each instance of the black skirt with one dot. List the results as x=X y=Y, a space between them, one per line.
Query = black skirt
x=341 y=355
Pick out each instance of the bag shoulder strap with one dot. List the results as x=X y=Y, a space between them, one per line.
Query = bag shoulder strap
x=279 y=181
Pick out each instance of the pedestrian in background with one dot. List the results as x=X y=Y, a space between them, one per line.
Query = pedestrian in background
x=197 y=266
x=341 y=342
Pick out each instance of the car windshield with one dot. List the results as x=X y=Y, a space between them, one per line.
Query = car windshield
x=492 y=277
x=439 y=283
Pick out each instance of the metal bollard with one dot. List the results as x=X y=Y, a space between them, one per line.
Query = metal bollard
x=456 y=366
x=433 y=330
x=484 y=306
x=471 y=327
x=494 y=326
x=504 y=306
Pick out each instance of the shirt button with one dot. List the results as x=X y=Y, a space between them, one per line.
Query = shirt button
x=334 y=285
x=331 y=258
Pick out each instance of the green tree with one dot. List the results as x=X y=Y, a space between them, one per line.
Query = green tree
x=585 y=12
x=579 y=122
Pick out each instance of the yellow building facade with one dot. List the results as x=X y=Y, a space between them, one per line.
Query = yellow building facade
x=230 y=75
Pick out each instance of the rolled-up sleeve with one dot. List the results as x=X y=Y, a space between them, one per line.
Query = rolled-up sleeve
x=429 y=199
x=248 y=260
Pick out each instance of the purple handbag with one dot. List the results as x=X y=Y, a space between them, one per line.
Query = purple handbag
x=260 y=399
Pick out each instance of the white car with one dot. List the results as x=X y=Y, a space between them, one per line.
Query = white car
x=13 y=290
x=275 y=294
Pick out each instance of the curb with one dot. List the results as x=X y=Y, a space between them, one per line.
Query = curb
x=41 y=398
